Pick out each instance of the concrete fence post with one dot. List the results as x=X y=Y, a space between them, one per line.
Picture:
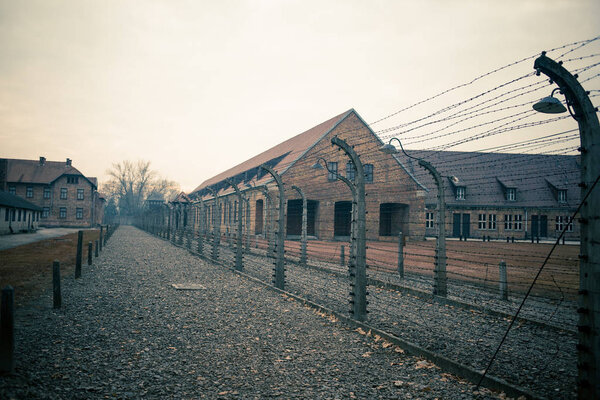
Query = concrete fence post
x=57 y=296
x=96 y=249
x=101 y=236
x=400 y=255
x=342 y=255
x=7 y=331
x=279 y=272
x=238 y=244
x=90 y=253
x=503 y=281
x=79 y=254
x=303 y=237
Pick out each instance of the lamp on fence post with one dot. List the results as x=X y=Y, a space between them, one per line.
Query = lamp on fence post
x=304 y=223
x=216 y=217
x=352 y=187
x=238 y=250
x=581 y=109
x=440 y=281
x=279 y=264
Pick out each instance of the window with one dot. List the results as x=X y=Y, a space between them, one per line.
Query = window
x=62 y=212
x=518 y=222
x=79 y=213
x=482 y=218
x=13 y=213
x=46 y=192
x=350 y=171
x=511 y=194
x=12 y=190
x=73 y=179
x=29 y=192
x=63 y=193
x=492 y=222
x=333 y=169
x=562 y=221
x=6 y=213
x=428 y=220
x=79 y=194
x=46 y=212
x=19 y=219
x=368 y=173
x=562 y=196
x=460 y=193
x=508 y=225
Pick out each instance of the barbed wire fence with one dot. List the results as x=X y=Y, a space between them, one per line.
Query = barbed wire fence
x=526 y=321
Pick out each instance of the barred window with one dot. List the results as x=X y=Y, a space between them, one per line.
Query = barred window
x=46 y=192
x=332 y=171
x=46 y=212
x=62 y=212
x=492 y=222
x=29 y=192
x=368 y=173
x=518 y=222
x=508 y=225
x=79 y=194
x=79 y=213
x=429 y=220
x=482 y=220
x=350 y=171
x=63 y=193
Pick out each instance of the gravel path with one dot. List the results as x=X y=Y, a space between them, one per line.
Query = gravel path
x=540 y=359
x=124 y=332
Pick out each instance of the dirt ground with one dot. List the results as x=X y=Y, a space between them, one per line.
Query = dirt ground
x=28 y=268
x=473 y=261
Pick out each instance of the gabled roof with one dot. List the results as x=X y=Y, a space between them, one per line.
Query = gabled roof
x=283 y=155
x=486 y=176
x=33 y=171
x=181 y=198
x=14 y=201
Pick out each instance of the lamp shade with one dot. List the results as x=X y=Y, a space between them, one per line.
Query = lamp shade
x=549 y=105
x=388 y=149
x=317 y=166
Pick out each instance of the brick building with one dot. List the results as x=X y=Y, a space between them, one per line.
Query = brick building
x=502 y=195
x=395 y=200
x=65 y=195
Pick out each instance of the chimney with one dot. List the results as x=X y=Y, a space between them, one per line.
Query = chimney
x=42 y=160
x=68 y=162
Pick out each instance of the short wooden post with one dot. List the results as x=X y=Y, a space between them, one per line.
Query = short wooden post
x=56 y=284
x=79 y=254
x=400 y=255
x=101 y=237
x=342 y=255
x=7 y=331
x=503 y=281
x=96 y=249
x=90 y=252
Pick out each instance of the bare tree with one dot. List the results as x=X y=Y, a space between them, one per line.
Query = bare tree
x=131 y=182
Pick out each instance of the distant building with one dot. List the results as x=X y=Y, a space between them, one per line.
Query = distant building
x=65 y=195
x=502 y=195
x=17 y=214
x=395 y=201
x=154 y=201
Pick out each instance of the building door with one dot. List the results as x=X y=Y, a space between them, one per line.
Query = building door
x=392 y=217
x=543 y=225
x=294 y=217
x=342 y=219
x=535 y=223
x=258 y=217
x=466 y=225
x=456 y=225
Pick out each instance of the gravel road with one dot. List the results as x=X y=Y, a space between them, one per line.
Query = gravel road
x=125 y=332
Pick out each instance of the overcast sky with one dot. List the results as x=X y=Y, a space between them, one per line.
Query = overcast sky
x=197 y=87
